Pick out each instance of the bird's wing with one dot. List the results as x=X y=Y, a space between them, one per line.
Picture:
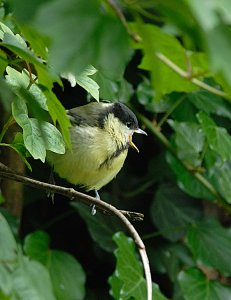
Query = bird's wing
x=88 y=115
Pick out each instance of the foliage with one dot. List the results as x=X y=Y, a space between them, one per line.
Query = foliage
x=170 y=62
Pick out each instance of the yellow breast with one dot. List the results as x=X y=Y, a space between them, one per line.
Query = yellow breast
x=92 y=162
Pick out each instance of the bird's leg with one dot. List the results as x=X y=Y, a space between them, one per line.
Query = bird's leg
x=93 y=209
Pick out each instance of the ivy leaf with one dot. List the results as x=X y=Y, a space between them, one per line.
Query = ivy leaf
x=218 y=138
x=210 y=103
x=127 y=281
x=186 y=181
x=195 y=286
x=128 y=269
x=210 y=244
x=172 y=211
x=189 y=140
x=85 y=81
x=165 y=80
x=19 y=81
x=38 y=136
x=221 y=178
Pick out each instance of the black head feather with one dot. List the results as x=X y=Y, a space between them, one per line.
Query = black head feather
x=125 y=115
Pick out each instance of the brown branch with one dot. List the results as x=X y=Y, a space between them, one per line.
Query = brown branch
x=8 y=173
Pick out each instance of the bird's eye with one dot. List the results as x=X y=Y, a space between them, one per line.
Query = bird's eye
x=129 y=124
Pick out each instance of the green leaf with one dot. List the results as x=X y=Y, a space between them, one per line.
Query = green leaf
x=127 y=281
x=186 y=181
x=19 y=81
x=172 y=211
x=221 y=178
x=113 y=89
x=106 y=51
x=165 y=80
x=6 y=32
x=147 y=97
x=31 y=280
x=214 y=19
x=36 y=246
x=211 y=245
x=9 y=249
x=5 y=283
x=189 y=140
x=210 y=103
x=129 y=269
x=67 y=276
x=85 y=81
x=218 y=138
x=195 y=286
x=100 y=228
x=12 y=43
x=58 y=113
x=38 y=136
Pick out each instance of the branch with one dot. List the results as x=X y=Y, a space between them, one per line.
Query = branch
x=186 y=75
x=8 y=173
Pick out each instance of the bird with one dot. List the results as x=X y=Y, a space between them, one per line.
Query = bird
x=101 y=134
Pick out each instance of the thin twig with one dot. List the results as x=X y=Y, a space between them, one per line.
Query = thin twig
x=7 y=173
x=194 y=80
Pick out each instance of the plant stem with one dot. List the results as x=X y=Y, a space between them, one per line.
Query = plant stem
x=170 y=111
x=194 y=80
x=155 y=131
x=9 y=122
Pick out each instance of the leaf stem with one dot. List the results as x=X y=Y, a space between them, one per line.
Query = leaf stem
x=170 y=111
x=9 y=122
x=187 y=76
x=156 y=132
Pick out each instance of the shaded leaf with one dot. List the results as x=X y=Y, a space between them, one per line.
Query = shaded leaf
x=31 y=280
x=210 y=103
x=189 y=140
x=195 y=286
x=67 y=276
x=8 y=253
x=221 y=178
x=218 y=138
x=172 y=211
x=36 y=246
x=186 y=181
x=100 y=228
x=104 y=50
x=210 y=244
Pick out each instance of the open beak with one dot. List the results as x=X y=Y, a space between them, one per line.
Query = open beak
x=140 y=131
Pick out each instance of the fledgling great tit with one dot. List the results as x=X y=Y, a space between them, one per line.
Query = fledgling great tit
x=101 y=134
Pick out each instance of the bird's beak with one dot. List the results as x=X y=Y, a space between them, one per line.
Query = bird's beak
x=140 y=131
